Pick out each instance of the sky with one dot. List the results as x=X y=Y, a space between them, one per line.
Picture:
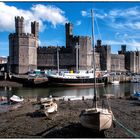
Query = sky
x=115 y=23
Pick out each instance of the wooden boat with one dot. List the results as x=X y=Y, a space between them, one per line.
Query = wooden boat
x=16 y=98
x=75 y=80
x=96 y=118
x=49 y=107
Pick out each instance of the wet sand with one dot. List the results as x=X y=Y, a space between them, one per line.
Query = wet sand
x=27 y=122
x=7 y=83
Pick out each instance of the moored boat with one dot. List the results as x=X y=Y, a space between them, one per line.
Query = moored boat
x=115 y=82
x=75 y=80
x=135 y=79
x=96 y=118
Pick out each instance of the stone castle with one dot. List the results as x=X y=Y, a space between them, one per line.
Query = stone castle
x=23 y=47
x=25 y=54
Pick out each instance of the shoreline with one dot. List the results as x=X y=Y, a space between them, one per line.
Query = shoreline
x=8 y=83
x=27 y=122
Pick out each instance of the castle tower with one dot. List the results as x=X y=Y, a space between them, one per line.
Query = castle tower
x=99 y=43
x=23 y=47
x=19 y=25
x=123 y=49
x=69 y=35
x=35 y=28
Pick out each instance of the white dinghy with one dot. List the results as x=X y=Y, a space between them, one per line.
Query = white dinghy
x=16 y=98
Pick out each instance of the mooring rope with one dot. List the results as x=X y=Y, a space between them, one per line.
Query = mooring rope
x=130 y=132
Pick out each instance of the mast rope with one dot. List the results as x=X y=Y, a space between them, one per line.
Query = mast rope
x=98 y=28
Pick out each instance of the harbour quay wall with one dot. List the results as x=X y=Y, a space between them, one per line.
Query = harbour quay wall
x=37 y=82
x=121 y=78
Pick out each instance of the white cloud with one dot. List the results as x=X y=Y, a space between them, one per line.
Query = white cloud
x=113 y=42
x=49 y=13
x=39 y=12
x=51 y=42
x=121 y=18
x=78 y=22
x=131 y=44
x=84 y=13
x=101 y=16
x=134 y=45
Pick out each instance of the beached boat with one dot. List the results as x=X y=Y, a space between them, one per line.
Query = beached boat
x=96 y=118
x=49 y=107
x=46 y=99
x=75 y=98
x=16 y=98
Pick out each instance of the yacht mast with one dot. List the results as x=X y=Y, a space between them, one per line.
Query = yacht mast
x=58 y=59
x=94 y=62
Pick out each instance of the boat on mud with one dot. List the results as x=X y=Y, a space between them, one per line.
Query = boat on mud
x=136 y=95
x=49 y=107
x=16 y=98
x=97 y=118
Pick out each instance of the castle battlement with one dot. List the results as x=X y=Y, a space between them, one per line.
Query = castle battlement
x=19 y=18
x=22 y=35
x=133 y=52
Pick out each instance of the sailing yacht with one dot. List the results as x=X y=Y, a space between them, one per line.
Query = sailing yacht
x=96 y=118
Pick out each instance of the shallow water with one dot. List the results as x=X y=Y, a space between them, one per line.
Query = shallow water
x=124 y=89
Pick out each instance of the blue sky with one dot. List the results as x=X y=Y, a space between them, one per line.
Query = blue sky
x=118 y=22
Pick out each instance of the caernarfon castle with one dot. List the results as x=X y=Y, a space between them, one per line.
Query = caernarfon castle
x=25 y=54
x=23 y=47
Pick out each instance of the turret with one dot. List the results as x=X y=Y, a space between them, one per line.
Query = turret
x=123 y=49
x=69 y=28
x=99 y=43
x=35 y=28
x=19 y=25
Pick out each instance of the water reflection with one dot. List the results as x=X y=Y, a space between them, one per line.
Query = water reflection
x=121 y=90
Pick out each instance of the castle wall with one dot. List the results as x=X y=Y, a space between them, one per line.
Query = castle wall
x=132 y=61
x=85 y=53
x=117 y=63
x=32 y=53
x=25 y=55
x=105 y=55
x=47 y=58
